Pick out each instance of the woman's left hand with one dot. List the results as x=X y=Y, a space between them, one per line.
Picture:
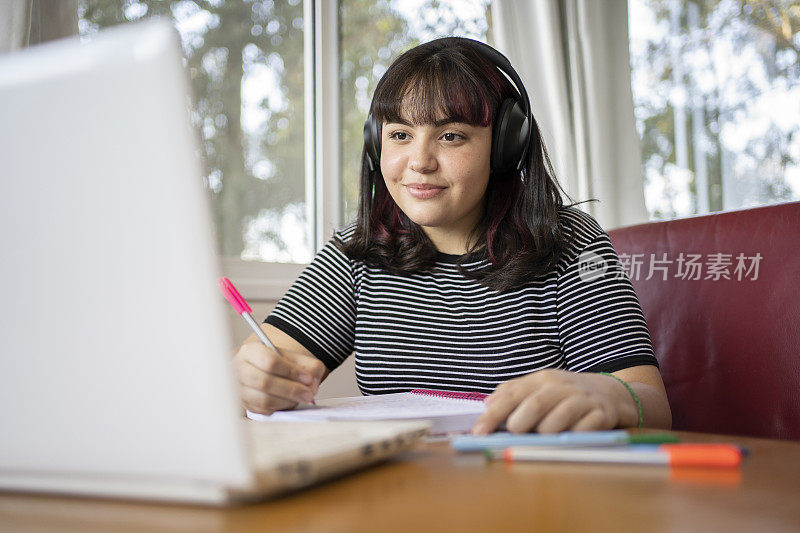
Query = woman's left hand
x=549 y=401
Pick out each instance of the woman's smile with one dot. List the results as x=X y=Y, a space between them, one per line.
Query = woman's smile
x=424 y=191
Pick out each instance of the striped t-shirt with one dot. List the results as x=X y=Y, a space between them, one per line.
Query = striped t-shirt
x=440 y=330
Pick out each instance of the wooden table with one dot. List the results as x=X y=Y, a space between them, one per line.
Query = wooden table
x=433 y=488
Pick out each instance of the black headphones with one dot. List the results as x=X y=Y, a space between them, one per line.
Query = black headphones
x=512 y=125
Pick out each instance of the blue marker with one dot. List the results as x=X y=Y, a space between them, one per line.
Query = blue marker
x=500 y=440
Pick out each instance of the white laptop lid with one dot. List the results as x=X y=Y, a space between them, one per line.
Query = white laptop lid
x=114 y=348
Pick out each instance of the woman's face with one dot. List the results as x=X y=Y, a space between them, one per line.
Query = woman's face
x=437 y=174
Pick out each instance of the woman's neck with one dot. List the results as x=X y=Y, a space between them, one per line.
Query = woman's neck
x=454 y=239
x=449 y=241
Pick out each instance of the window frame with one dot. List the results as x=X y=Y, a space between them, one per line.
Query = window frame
x=267 y=281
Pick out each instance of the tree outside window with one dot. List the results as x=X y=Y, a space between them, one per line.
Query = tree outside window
x=716 y=87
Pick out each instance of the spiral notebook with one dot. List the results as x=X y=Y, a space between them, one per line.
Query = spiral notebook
x=447 y=411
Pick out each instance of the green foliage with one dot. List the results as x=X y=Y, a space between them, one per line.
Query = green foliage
x=764 y=33
x=232 y=38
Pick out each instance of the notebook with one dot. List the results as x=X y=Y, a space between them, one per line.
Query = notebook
x=115 y=363
x=446 y=411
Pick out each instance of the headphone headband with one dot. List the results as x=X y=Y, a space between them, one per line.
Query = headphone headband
x=503 y=65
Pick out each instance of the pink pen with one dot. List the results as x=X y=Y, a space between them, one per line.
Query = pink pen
x=241 y=307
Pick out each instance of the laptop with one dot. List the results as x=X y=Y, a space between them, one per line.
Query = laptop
x=115 y=352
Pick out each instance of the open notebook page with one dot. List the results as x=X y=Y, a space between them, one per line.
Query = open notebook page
x=446 y=414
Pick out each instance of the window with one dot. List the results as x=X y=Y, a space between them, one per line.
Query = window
x=282 y=89
x=245 y=61
x=716 y=87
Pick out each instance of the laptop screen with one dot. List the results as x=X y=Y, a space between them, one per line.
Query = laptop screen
x=115 y=347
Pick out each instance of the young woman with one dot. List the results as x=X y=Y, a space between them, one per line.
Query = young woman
x=463 y=269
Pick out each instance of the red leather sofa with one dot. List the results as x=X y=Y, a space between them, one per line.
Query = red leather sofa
x=721 y=296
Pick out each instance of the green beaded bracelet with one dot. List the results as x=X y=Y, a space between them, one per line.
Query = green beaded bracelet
x=635 y=398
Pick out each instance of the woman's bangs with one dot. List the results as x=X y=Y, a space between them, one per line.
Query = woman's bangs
x=434 y=96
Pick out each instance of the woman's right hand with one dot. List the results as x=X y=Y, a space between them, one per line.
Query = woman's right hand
x=271 y=382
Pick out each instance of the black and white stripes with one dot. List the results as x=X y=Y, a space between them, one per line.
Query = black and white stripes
x=439 y=330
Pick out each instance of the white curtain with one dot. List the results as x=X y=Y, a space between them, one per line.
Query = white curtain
x=27 y=22
x=573 y=57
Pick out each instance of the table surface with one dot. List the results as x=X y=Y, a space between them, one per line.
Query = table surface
x=432 y=486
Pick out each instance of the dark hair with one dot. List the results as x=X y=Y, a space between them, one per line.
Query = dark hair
x=520 y=228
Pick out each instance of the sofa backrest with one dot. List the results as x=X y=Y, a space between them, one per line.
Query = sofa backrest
x=721 y=296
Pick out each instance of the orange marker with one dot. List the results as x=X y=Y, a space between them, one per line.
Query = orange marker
x=693 y=455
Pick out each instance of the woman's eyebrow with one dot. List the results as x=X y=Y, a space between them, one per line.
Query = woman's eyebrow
x=447 y=121
x=402 y=121
x=436 y=124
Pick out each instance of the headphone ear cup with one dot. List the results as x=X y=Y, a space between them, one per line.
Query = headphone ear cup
x=509 y=137
x=372 y=142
